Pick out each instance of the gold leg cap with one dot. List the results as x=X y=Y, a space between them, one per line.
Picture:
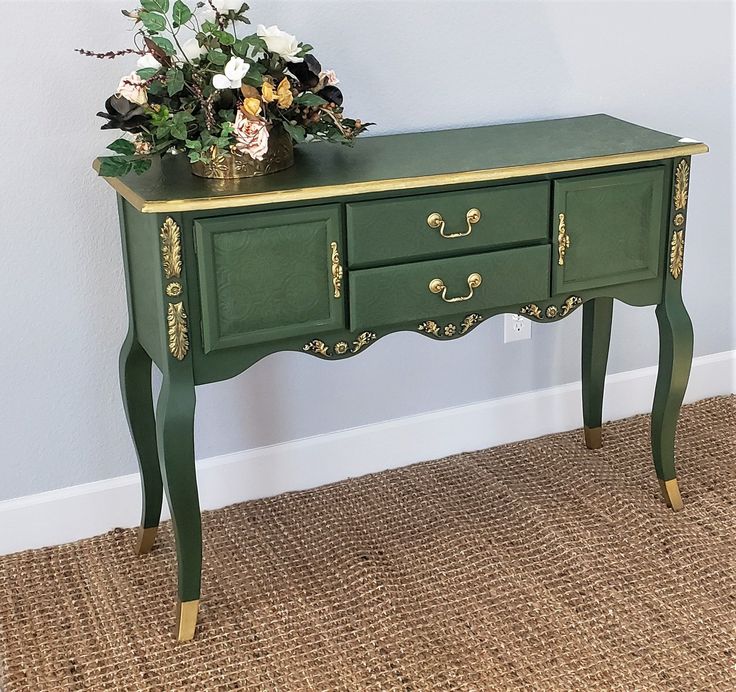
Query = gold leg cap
x=186 y=619
x=593 y=437
x=671 y=492
x=146 y=539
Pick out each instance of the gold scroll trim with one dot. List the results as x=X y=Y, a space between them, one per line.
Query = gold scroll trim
x=176 y=318
x=320 y=348
x=171 y=248
x=677 y=252
x=682 y=178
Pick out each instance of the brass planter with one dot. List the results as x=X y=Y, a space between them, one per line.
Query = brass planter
x=226 y=165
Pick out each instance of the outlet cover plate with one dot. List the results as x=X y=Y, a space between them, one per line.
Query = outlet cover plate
x=516 y=328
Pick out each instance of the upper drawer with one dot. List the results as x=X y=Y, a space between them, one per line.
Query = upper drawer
x=446 y=223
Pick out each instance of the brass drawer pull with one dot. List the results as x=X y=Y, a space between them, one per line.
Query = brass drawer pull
x=563 y=241
x=435 y=220
x=438 y=286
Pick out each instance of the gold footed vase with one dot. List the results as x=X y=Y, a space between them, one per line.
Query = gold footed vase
x=232 y=164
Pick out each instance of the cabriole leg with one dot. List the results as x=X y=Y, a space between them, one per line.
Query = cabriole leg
x=175 y=430
x=675 y=343
x=597 y=317
x=135 y=383
x=675 y=358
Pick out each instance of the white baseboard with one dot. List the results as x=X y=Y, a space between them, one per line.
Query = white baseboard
x=60 y=516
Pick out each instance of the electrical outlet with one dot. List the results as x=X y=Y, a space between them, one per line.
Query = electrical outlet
x=516 y=328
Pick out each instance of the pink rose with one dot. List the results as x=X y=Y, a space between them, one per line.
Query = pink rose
x=328 y=78
x=251 y=136
x=133 y=88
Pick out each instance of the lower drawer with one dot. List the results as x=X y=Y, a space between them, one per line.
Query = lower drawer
x=424 y=290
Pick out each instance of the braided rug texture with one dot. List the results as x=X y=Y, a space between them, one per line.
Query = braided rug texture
x=538 y=565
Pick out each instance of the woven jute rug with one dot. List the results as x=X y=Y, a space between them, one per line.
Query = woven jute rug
x=533 y=566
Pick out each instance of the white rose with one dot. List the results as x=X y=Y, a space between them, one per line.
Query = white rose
x=235 y=69
x=280 y=42
x=192 y=50
x=227 y=5
x=133 y=88
x=251 y=136
x=148 y=60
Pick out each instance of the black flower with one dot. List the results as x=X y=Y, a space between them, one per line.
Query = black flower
x=331 y=94
x=123 y=115
x=306 y=72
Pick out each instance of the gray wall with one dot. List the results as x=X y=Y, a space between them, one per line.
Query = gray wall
x=407 y=66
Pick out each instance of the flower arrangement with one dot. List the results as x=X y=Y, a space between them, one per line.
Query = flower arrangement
x=202 y=89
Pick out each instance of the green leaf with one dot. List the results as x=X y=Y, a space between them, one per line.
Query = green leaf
x=217 y=57
x=297 y=132
x=147 y=72
x=164 y=44
x=224 y=38
x=152 y=21
x=156 y=88
x=181 y=13
x=179 y=130
x=194 y=156
x=241 y=46
x=114 y=166
x=209 y=27
x=174 y=81
x=141 y=165
x=155 y=5
x=122 y=146
x=309 y=99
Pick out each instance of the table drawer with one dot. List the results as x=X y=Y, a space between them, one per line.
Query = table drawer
x=422 y=290
x=447 y=223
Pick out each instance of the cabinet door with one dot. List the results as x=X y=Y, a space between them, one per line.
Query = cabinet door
x=270 y=275
x=613 y=223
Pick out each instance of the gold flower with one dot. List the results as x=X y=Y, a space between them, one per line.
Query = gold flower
x=267 y=92
x=251 y=106
x=282 y=94
x=286 y=98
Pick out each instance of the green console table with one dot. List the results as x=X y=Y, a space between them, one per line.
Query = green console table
x=430 y=232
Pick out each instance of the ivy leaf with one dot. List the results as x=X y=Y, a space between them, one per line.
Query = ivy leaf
x=297 y=132
x=122 y=146
x=241 y=46
x=155 y=5
x=164 y=44
x=114 y=166
x=181 y=13
x=179 y=130
x=224 y=38
x=309 y=99
x=155 y=88
x=174 y=81
x=152 y=21
x=147 y=72
x=141 y=165
x=217 y=57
